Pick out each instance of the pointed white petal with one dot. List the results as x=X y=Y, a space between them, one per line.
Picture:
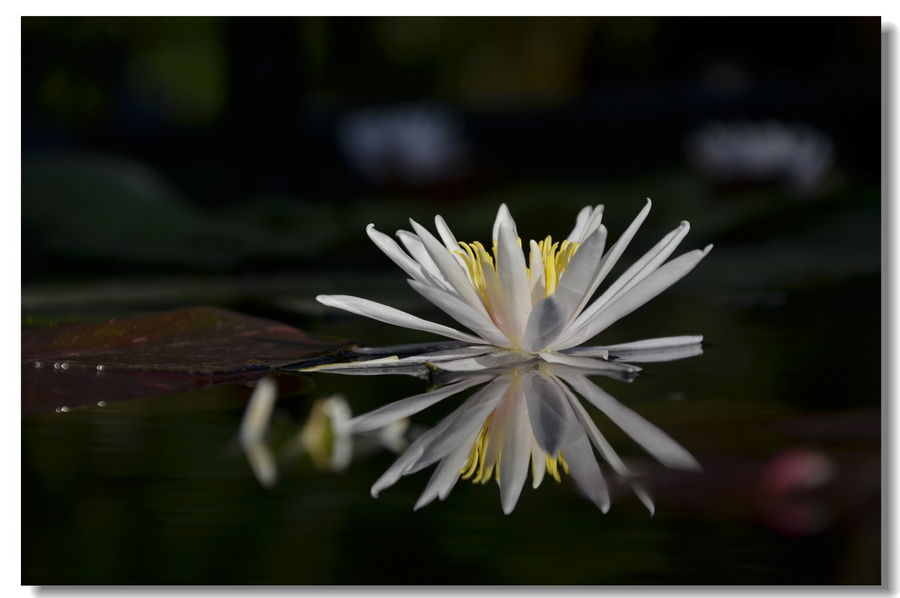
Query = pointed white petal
x=641 y=293
x=580 y=273
x=638 y=271
x=446 y=473
x=546 y=411
x=515 y=454
x=583 y=466
x=447 y=237
x=409 y=457
x=545 y=323
x=589 y=363
x=462 y=426
x=411 y=405
x=593 y=224
x=453 y=271
x=538 y=463
x=612 y=256
x=644 y=496
x=416 y=249
x=583 y=351
x=659 y=355
x=598 y=440
x=503 y=215
x=389 y=315
x=368 y=364
x=496 y=359
x=451 y=354
x=666 y=342
x=460 y=311
x=656 y=442
x=513 y=281
x=393 y=251
x=536 y=274
x=580 y=221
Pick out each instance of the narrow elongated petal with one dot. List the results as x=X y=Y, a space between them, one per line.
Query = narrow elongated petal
x=416 y=249
x=409 y=457
x=589 y=363
x=583 y=467
x=580 y=221
x=580 y=272
x=462 y=426
x=513 y=281
x=452 y=270
x=389 y=315
x=659 y=355
x=656 y=442
x=460 y=311
x=546 y=411
x=496 y=359
x=515 y=454
x=593 y=224
x=641 y=293
x=546 y=322
x=411 y=405
x=536 y=274
x=612 y=256
x=538 y=466
x=503 y=215
x=393 y=251
x=652 y=344
x=638 y=271
x=599 y=441
x=446 y=234
x=446 y=473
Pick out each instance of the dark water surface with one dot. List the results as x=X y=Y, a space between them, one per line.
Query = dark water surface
x=782 y=411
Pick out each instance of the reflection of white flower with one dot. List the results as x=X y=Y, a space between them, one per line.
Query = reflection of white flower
x=526 y=412
x=418 y=144
x=797 y=156
x=326 y=436
x=518 y=309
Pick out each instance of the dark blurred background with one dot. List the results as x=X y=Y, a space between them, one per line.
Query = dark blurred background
x=237 y=146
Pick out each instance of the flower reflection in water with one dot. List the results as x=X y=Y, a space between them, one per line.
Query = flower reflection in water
x=325 y=437
x=528 y=412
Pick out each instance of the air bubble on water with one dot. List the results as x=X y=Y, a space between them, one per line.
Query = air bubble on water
x=56 y=366
x=65 y=366
x=101 y=403
x=62 y=409
x=100 y=368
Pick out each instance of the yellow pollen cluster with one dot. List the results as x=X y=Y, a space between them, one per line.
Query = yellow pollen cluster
x=476 y=463
x=554 y=257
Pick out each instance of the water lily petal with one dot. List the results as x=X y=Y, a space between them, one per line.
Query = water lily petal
x=390 y=315
x=536 y=274
x=416 y=348
x=597 y=365
x=666 y=342
x=641 y=293
x=538 y=463
x=446 y=473
x=399 y=257
x=580 y=221
x=656 y=442
x=453 y=271
x=638 y=271
x=546 y=322
x=461 y=427
x=612 y=256
x=513 y=277
x=446 y=234
x=583 y=466
x=581 y=271
x=460 y=311
x=503 y=215
x=483 y=362
x=659 y=355
x=546 y=411
x=598 y=440
x=411 y=405
x=516 y=452
x=416 y=249
x=599 y=352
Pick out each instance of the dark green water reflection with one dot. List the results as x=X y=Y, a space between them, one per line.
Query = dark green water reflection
x=158 y=491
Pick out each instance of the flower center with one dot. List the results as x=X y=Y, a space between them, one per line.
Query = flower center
x=480 y=466
x=554 y=258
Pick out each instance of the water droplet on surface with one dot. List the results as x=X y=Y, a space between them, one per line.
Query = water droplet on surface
x=65 y=366
x=56 y=366
x=100 y=368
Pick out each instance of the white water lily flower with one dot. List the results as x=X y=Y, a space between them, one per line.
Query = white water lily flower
x=520 y=309
x=526 y=412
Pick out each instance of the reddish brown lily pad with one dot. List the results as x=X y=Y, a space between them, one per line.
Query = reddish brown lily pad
x=160 y=353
